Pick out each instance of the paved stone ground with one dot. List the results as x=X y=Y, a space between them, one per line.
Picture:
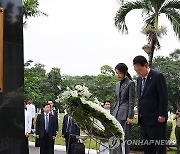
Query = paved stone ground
x=34 y=150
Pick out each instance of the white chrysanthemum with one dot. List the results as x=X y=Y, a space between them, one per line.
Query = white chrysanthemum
x=65 y=95
x=78 y=87
x=86 y=93
x=68 y=89
x=74 y=93
x=107 y=114
x=84 y=87
x=97 y=101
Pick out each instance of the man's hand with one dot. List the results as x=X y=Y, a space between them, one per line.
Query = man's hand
x=161 y=119
x=37 y=136
x=27 y=135
x=128 y=121
x=174 y=118
x=77 y=137
x=53 y=137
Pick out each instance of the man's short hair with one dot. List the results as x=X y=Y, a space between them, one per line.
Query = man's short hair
x=104 y=102
x=140 y=60
x=46 y=105
x=50 y=100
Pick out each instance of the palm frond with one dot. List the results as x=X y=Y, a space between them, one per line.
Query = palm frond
x=149 y=20
x=147 y=8
x=156 y=4
x=123 y=11
x=174 y=17
x=170 y=4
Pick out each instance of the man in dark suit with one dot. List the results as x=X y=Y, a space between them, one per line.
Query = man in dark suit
x=46 y=130
x=55 y=113
x=70 y=131
x=152 y=106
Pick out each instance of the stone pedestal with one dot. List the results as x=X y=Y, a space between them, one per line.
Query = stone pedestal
x=12 y=138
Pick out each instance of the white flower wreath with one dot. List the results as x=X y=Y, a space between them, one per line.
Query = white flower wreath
x=90 y=116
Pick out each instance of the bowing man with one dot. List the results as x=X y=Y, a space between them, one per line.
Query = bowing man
x=46 y=130
x=152 y=106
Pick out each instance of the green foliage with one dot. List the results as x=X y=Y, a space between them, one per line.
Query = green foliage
x=41 y=86
x=169 y=66
x=38 y=85
x=101 y=86
x=107 y=70
x=104 y=89
x=136 y=135
x=30 y=9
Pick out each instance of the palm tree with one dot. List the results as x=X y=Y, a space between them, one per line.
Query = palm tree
x=151 y=10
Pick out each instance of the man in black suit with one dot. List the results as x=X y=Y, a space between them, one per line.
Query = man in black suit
x=46 y=130
x=70 y=131
x=152 y=106
x=54 y=112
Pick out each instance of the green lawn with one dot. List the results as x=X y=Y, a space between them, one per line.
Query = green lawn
x=94 y=145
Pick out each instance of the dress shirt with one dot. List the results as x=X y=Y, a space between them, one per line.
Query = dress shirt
x=46 y=115
x=31 y=109
x=146 y=75
x=28 y=122
x=144 y=81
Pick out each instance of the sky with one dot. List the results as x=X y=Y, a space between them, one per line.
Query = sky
x=79 y=36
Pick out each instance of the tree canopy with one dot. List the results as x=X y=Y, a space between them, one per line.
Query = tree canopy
x=170 y=67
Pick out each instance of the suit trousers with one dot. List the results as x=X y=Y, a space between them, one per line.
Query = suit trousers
x=25 y=145
x=177 y=133
x=154 y=137
x=46 y=144
x=69 y=140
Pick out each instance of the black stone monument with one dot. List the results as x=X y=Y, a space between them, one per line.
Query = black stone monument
x=12 y=138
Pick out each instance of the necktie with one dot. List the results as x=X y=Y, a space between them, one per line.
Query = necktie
x=69 y=124
x=143 y=84
x=47 y=123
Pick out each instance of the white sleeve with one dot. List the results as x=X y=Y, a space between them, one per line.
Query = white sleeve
x=33 y=111
x=29 y=118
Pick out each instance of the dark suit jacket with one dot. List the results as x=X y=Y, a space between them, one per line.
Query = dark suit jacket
x=75 y=130
x=125 y=99
x=40 y=125
x=55 y=113
x=154 y=99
